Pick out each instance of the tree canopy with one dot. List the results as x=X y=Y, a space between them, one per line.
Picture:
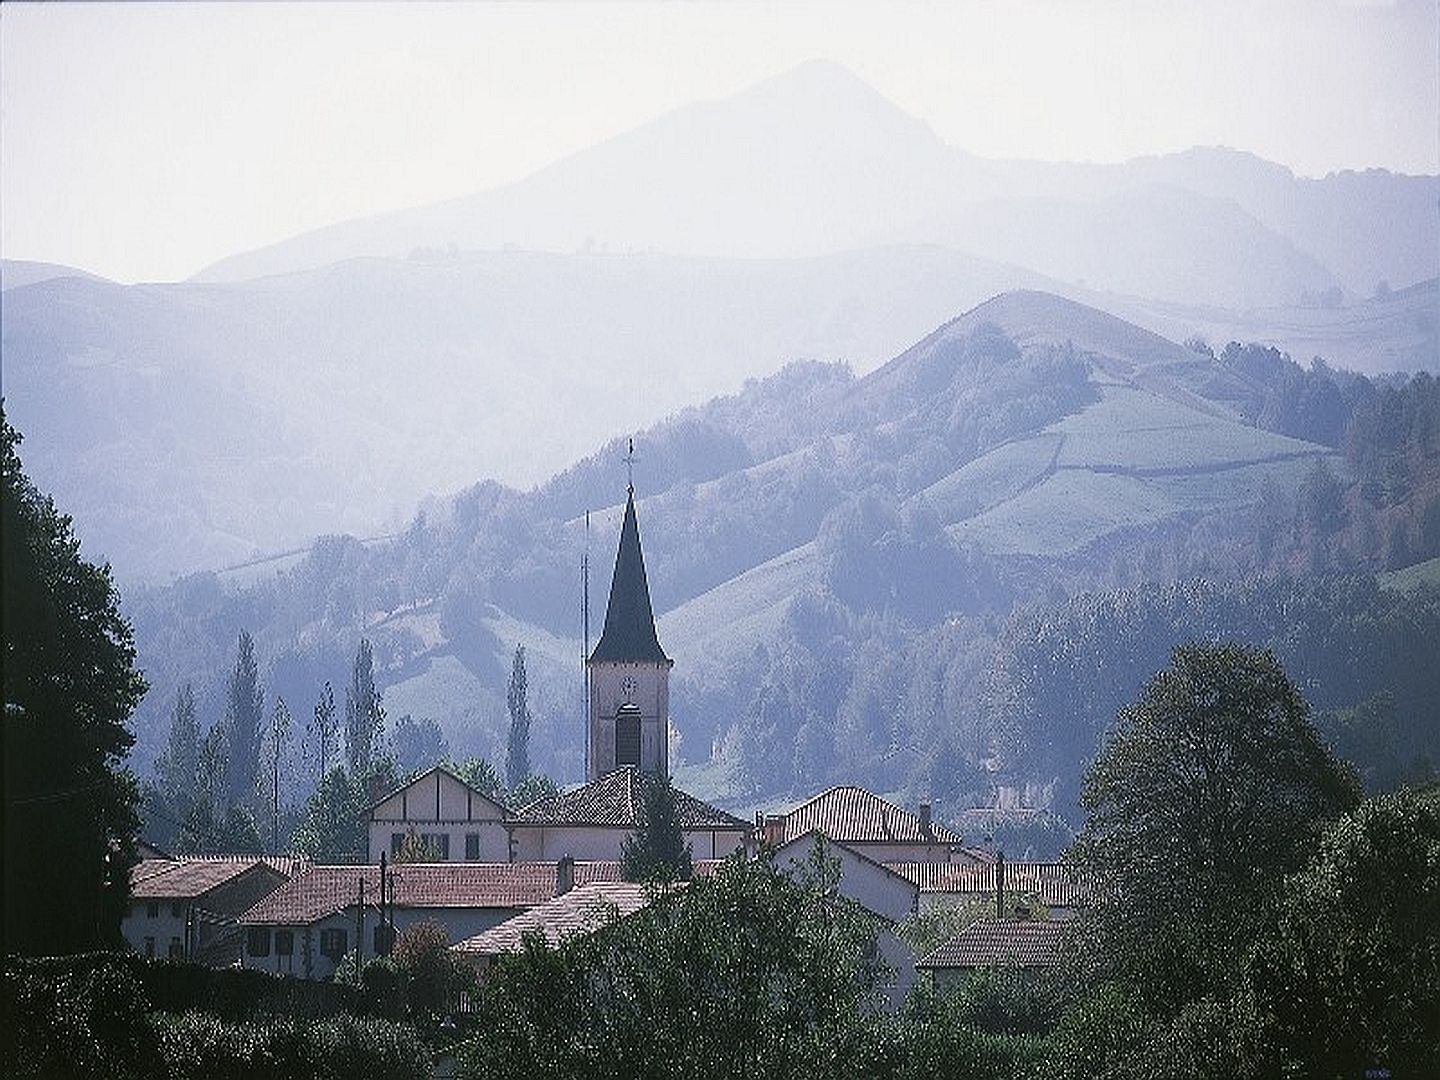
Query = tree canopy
x=1213 y=787
x=70 y=685
x=657 y=849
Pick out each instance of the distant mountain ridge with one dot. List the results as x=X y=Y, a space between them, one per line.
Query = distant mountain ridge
x=814 y=161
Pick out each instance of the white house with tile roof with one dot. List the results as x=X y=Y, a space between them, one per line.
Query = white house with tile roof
x=458 y=821
x=593 y=821
x=870 y=825
x=186 y=908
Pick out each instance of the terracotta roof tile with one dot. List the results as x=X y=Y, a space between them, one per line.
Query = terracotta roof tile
x=1056 y=884
x=579 y=911
x=616 y=800
x=189 y=877
x=1000 y=943
x=325 y=890
x=852 y=815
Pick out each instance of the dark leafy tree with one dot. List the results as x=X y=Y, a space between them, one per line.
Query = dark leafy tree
x=418 y=744
x=531 y=788
x=364 y=715
x=744 y=974
x=70 y=685
x=1344 y=981
x=332 y=825
x=1212 y=788
x=244 y=725
x=657 y=851
x=479 y=774
x=517 y=747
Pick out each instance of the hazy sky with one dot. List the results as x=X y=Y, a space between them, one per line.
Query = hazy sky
x=145 y=141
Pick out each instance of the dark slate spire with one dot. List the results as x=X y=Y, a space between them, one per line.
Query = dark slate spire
x=629 y=632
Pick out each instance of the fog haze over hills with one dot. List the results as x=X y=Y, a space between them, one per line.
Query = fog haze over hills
x=329 y=383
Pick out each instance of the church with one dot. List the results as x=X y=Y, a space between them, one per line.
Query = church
x=627 y=749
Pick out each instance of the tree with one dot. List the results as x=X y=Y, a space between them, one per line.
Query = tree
x=278 y=738
x=244 y=724
x=332 y=826
x=477 y=773
x=422 y=952
x=178 y=767
x=744 y=974
x=1344 y=982
x=531 y=788
x=517 y=750
x=364 y=716
x=1213 y=787
x=324 y=729
x=418 y=745
x=656 y=851
x=70 y=683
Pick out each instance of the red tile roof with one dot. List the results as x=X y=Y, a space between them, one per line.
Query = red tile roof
x=852 y=815
x=325 y=890
x=580 y=911
x=616 y=800
x=1056 y=884
x=192 y=876
x=1000 y=943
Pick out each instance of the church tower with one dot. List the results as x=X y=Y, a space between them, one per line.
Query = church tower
x=629 y=672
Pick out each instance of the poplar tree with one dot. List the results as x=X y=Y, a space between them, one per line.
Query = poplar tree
x=517 y=754
x=364 y=716
x=244 y=725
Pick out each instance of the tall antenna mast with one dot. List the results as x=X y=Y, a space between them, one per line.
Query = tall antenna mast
x=630 y=469
x=585 y=647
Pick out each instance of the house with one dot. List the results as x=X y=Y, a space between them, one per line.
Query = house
x=883 y=892
x=574 y=912
x=872 y=826
x=456 y=820
x=594 y=820
x=1056 y=885
x=1011 y=943
x=309 y=925
x=186 y=908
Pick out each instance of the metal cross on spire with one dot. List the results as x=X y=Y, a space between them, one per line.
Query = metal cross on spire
x=630 y=468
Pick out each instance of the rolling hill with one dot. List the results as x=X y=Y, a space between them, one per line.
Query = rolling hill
x=1026 y=439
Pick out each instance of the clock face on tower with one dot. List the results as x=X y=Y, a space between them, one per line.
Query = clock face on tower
x=629 y=687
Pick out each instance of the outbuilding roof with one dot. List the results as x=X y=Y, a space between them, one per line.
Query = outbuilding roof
x=1056 y=883
x=582 y=910
x=1000 y=943
x=191 y=877
x=617 y=800
x=852 y=815
x=325 y=890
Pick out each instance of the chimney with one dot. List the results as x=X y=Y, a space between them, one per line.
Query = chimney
x=926 y=829
x=564 y=875
x=999 y=884
x=774 y=832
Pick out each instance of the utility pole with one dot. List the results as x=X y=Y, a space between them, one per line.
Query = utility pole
x=360 y=930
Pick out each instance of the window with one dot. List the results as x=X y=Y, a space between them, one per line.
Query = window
x=284 y=942
x=397 y=841
x=175 y=908
x=257 y=941
x=177 y=951
x=439 y=842
x=472 y=847
x=152 y=909
x=334 y=943
x=149 y=946
x=627 y=736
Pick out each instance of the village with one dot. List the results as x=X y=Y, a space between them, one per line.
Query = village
x=494 y=874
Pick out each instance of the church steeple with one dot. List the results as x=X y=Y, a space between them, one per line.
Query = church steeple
x=629 y=633
x=629 y=672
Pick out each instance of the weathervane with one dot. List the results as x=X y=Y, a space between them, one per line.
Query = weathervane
x=630 y=468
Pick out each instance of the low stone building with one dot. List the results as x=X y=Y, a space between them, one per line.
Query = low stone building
x=986 y=943
x=1058 y=886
